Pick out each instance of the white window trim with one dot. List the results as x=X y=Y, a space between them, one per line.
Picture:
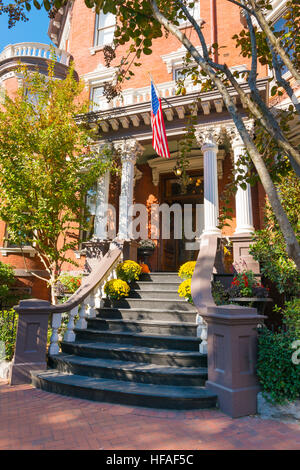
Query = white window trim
x=99 y=47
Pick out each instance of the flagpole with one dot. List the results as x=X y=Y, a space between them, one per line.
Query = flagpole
x=152 y=80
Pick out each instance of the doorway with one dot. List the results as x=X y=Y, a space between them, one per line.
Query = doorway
x=176 y=250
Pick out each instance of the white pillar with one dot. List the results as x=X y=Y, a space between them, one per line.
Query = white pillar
x=129 y=150
x=101 y=213
x=243 y=201
x=208 y=141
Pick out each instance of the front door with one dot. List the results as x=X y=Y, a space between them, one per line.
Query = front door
x=178 y=248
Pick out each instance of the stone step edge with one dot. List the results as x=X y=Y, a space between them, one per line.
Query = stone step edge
x=134 y=348
x=140 y=335
x=129 y=366
x=142 y=322
x=141 y=309
x=150 y=390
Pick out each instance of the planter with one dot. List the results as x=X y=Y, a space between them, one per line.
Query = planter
x=144 y=254
x=259 y=303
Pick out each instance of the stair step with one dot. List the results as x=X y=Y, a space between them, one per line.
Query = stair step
x=129 y=393
x=147 y=314
x=135 y=353
x=169 y=342
x=143 y=326
x=152 y=286
x=160 y=277
x=157 y=294
x=129 y=371
x=169 y=304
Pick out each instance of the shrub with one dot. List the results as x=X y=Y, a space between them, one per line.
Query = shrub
x=129 y=271
x=245 y=284
x=116 y=289
x=7 y=279
x=186 y=270
x=219 y=293
x=291 y=316
x=278 y=375
x=8 y=332
x=184 y=290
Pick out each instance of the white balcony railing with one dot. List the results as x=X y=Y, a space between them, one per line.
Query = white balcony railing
x=34 y=49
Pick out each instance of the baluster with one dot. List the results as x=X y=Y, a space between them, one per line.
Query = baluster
x=202 y=333
x=70 y=335
x=81 y=323
x=54 y=346
x=39 y=52
x=91 y=312
x=98 y=297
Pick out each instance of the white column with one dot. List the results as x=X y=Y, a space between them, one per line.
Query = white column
x=208 y=141
x=101 y=213
x=129 y=150
x=243 y=201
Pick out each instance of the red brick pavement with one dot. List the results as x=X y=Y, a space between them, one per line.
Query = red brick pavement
x=34 y=419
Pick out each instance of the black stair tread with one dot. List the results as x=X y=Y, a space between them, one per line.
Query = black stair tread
x=140 y=334
x=129 y=365
x=134 y=388
x=134 y=348
x=142 y=322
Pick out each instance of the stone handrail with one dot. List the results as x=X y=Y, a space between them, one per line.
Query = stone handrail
x=201 y=284
x=31 y=342
x=34 y=49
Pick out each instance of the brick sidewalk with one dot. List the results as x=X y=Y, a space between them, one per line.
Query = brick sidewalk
x=33 y=419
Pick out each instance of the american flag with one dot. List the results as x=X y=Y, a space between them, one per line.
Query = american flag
x=159 y=139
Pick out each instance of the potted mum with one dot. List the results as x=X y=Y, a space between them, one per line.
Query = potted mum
x=115 y=290
x=129 y=271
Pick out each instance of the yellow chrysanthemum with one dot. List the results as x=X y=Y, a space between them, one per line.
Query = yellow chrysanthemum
x=116 y=289
x=187 y=269
x=184 y=290
x=129 y=271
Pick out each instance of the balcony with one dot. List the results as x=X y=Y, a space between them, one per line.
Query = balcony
x=34 y=49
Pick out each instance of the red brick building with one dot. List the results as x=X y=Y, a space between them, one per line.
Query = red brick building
x=79 y=33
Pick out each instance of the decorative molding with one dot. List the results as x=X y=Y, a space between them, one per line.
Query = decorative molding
x=4 y=251
x=175 y=59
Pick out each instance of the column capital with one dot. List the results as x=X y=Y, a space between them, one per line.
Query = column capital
x=234 y=135
x=208 y=137
x=130 y=149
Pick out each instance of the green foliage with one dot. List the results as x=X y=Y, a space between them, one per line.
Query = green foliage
x=219 y=293
x=269 y=246
x=8 y=332
x=43 y=152
x=291 y=315
x=129 y=271
x=279 y=377
x=7 y=279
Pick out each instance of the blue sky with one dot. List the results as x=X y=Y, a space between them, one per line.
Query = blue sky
x=33 y=30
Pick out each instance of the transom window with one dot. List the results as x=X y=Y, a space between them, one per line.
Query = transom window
x=104 y=28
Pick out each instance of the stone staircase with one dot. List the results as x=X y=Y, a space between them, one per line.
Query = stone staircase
x=142 y=351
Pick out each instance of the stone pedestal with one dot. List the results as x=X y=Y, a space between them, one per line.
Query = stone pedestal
x=130 y=250
x=31 y=340
x=232 y=350
x=240 y=244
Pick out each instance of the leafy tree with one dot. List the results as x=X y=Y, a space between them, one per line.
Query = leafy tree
x=268 y=248
x=47 y=165
x=139 y=22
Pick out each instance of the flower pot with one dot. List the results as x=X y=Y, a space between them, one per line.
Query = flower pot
x=144 y=254
x=259 y=303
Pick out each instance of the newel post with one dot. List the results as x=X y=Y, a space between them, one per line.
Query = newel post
x=232 y=357
x=31 y=342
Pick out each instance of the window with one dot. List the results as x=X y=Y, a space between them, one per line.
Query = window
x=96 y=97
x=104 y=29
x=194 y=12
x=90 y=201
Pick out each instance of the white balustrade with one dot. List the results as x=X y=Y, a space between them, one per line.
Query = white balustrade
x=35 y=49
x=87 y=309
x=202 y=334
